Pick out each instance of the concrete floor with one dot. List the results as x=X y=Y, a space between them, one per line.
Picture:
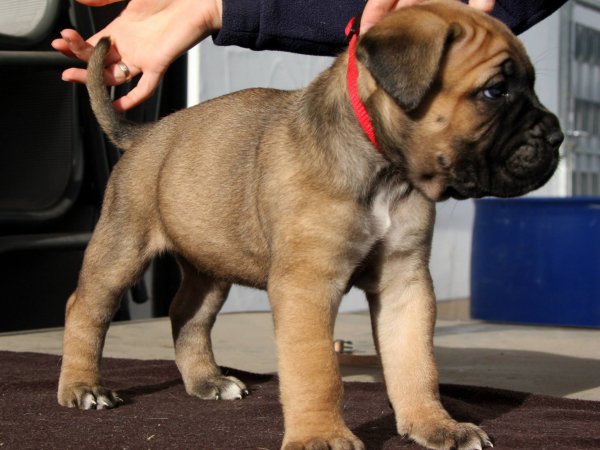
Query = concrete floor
x=545 y=360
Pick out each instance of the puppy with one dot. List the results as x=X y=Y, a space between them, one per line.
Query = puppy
x=285 y=191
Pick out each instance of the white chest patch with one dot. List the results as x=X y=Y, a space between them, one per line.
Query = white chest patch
x=382 y=205
x=380 y=212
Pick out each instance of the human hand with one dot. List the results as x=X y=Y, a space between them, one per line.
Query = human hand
x=376 y=9
x=147 y=37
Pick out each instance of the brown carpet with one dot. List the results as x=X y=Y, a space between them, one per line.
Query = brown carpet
x=158 y=414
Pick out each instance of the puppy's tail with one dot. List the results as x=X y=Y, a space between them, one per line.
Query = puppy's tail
x=119 y=130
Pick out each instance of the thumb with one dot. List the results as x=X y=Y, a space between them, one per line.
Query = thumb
x=97 y=2
x=484 y=5
x=146 y=86
x=374 y=12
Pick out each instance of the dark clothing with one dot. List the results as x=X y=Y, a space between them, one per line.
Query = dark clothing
x=520 y=15
x=316 y=27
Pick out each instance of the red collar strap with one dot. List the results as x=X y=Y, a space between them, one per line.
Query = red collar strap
x=352 y=30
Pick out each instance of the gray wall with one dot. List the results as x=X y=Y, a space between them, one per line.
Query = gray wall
x=543 y=45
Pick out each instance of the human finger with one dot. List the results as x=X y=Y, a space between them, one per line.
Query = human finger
x=484 y=5
x=375 y=10
x=97 y=2
x=61 y=46
x=119 y=73
x=75 y=45
x=74 y=75
x=146 y=86
x=114 y=74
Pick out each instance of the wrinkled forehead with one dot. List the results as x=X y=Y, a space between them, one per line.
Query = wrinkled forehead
x=482 y=41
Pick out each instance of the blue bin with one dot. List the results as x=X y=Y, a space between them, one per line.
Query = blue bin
x=537 y=260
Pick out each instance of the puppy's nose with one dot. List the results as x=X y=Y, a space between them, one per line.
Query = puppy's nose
x=549 y=128
x=555 y=138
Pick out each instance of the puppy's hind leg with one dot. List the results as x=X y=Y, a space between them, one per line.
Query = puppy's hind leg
x=114 y=259
x=193 y=314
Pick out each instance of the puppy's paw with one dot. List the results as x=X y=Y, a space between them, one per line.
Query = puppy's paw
x=88 y=397
x=450 y=435
x=219 y=388
x=332 y=443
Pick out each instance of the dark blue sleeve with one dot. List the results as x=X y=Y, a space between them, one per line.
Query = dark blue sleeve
x=522 y=15
x=316 y=27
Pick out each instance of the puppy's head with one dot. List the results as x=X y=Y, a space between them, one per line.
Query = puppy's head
x=451 y=92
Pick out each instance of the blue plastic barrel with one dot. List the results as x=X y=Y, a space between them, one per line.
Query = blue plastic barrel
x=537 y=260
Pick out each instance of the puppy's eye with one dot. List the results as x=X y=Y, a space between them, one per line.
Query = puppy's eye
x=496 y=91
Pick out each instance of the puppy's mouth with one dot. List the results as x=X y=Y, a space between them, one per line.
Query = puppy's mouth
x=515 y=171
x=461 y=193
x=441 y=188
x=528 y=165
x=528 y=160
x=504 y=181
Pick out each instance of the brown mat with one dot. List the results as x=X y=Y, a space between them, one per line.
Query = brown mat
x=160 y=415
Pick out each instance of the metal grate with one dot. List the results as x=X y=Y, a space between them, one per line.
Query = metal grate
x=585 y=76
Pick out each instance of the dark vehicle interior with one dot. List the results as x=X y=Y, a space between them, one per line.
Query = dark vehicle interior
x=54 y=166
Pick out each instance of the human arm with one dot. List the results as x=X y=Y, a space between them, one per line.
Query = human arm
x=520 y=15
x=316 y=27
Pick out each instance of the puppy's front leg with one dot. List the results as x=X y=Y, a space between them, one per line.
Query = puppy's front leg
x=304 y=309
x=403 y=315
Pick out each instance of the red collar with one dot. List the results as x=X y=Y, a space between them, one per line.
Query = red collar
x=352 y=30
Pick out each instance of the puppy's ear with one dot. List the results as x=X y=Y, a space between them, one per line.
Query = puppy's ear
x=404 y=53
